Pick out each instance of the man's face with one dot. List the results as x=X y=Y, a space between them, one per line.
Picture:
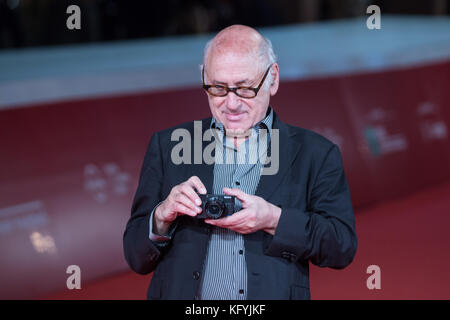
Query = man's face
x=232 y=70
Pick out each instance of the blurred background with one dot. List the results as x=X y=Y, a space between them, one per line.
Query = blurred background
x=78 y=108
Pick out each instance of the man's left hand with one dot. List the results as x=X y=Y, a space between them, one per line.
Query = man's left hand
x=256 y=214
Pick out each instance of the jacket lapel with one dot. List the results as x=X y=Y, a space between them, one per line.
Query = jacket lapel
x=204 y=171
x=287 y=153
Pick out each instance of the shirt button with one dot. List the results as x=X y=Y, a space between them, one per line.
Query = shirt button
x=241 y=251
x=238 y=183
x=241 y=291
x=196 y=275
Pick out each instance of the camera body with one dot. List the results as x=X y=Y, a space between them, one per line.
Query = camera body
x=216 y=206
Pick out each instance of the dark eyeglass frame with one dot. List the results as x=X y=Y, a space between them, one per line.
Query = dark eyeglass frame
x=234 y=89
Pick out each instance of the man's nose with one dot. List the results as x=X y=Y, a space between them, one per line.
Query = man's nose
x=232 y=100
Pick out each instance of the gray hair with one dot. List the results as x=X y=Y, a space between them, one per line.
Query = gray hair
x=265 y=54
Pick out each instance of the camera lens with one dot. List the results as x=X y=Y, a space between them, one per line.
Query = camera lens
x=214 y=209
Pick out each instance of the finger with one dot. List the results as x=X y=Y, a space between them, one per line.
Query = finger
x=240 y=228
x=189 y=192
x=229 y=221
x=238 y=193
x=243 y=227
x=187 y=202
x=181 y=209
x=197 y=184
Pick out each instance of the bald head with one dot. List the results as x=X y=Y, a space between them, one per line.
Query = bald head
x=238 y=39
x=242 y=41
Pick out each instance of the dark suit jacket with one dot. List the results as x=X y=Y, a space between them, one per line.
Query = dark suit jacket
x=316 y=224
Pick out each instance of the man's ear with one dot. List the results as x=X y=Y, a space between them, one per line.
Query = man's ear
x=276 y=79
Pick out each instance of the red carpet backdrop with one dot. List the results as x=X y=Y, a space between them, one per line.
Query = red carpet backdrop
x=70 y=166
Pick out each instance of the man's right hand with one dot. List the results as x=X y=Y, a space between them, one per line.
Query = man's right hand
x=182 y=200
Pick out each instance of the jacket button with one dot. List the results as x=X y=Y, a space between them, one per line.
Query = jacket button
x=289 y=256
x=196 y=275
x=153 y=256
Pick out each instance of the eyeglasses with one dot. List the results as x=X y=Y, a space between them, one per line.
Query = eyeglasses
x=243 y=92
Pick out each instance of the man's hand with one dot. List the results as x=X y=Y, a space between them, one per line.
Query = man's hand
x=182 y=200
x=256 y=214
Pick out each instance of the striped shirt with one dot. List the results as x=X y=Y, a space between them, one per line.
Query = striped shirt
x=224 y=275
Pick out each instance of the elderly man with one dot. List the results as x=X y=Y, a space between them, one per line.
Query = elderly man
x=298 y=213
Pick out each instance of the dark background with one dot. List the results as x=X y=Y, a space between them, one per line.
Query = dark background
x=26 y=23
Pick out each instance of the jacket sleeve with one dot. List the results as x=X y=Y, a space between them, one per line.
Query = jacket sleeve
x=325 y=232
x=141 y=253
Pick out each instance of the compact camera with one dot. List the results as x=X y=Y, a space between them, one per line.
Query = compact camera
x=216 y=206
